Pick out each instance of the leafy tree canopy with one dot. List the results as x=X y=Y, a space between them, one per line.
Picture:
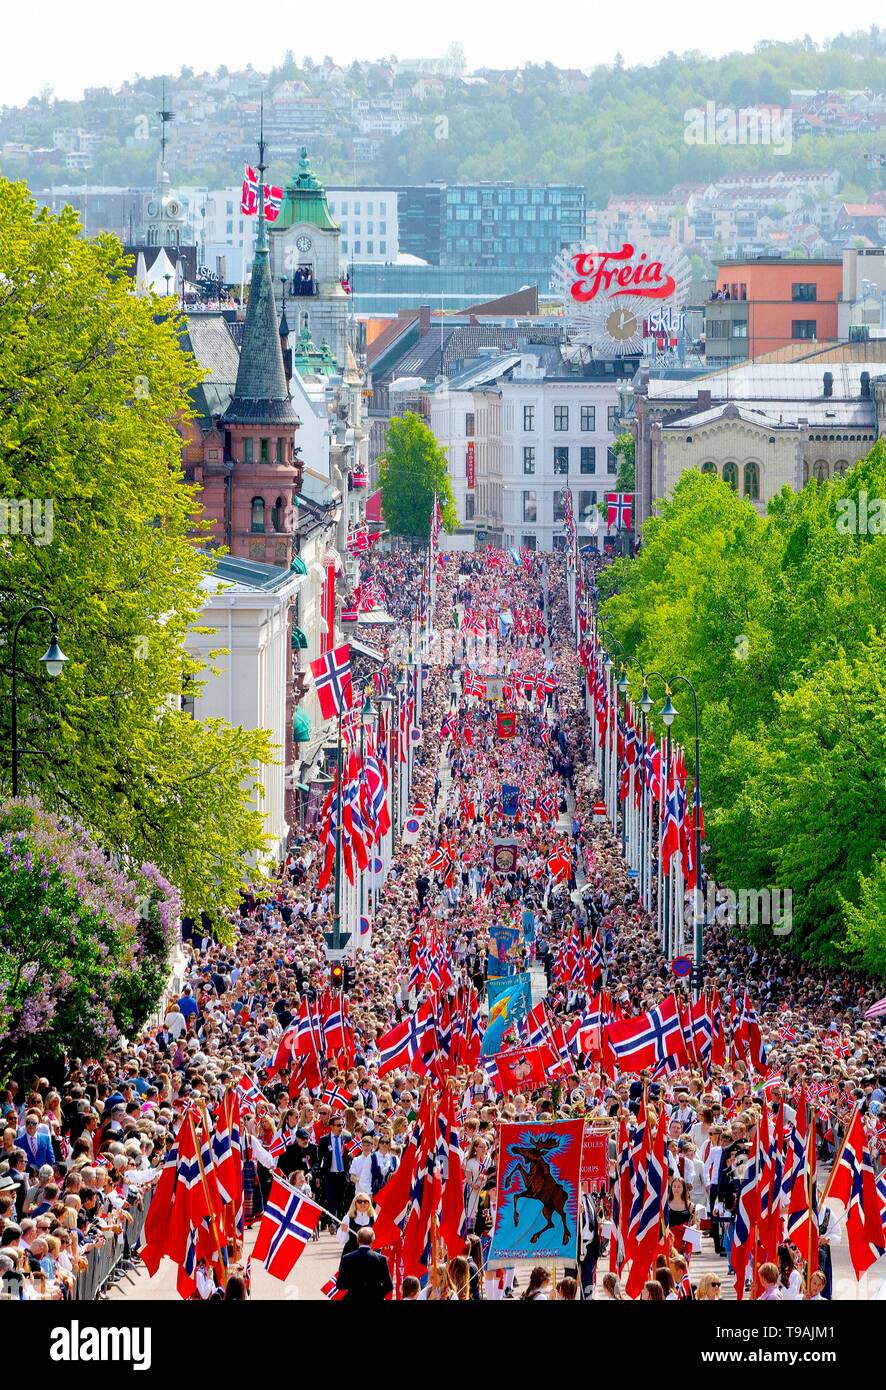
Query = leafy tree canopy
x=413 y=469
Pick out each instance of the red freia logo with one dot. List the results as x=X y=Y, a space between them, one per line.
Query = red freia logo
x=644 y=278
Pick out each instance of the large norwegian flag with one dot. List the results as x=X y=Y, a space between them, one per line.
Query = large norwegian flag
x=852 y=1182
x=642 y=1042
x=249 y=196
x=409 y=1045
x=332 y=677
x=273 y=201
x=288 y=1223
x=619 y=509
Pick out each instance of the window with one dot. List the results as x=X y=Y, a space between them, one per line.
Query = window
x=586 y=500
x=529 y=417
x=612 y=417
x=804 y=293
x=561 y=417
x=752 y=481
x=469 y=506
x=528 y=460
x=469 y=424
x=382 y=248
x=588 y=458
x=528 y=542
x=820 y=471
x=561 y=461
x=265 y=450
x=611 y=461
x=280 y=456
x=258 y=514
x=560 y=541
x=709 y=467
x=530 y=506
x=277 y=515
x=588 y=417
x=369 y=246
x=559 y=507
x=730 y=475
x=739 y=328
x=803 y=328
x=248 y=445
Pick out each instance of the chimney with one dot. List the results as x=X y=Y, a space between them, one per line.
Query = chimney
x=865 y=386
x=828 y=384
x=424 y=319
x=704 y=400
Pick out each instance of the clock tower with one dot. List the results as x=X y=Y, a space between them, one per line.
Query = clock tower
x=306 y=262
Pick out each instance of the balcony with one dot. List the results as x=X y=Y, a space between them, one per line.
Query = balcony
x=303 y=285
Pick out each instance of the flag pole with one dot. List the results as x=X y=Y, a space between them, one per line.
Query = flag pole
x=837 y=1161
x=810 y=1169
x=222 y=1253
x=336 y=927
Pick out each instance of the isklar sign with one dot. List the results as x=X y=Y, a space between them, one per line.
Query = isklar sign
x=610 y=295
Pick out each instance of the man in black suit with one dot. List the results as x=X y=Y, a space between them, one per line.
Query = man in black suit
x=363 y=1275
x=332 y=1162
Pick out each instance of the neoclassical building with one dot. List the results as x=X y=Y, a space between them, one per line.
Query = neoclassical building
x=760 y=427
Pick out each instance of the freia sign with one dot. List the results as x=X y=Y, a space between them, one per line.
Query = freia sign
x=616 y=273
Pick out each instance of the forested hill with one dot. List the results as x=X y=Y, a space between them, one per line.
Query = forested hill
x=613 y=129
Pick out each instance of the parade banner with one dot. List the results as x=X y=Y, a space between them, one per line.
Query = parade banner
x=510 y=799
x=504 y=856
x=509 y=1000
x=502 y=943
x=539 y=1169
x=594 y=1159
x=506 y=724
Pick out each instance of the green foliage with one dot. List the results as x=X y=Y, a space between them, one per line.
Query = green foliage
x=91 y=383
x=779 y=623
x=412 y=470
x=624 y=451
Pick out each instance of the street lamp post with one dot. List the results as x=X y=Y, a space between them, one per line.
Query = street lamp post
x=53 y=659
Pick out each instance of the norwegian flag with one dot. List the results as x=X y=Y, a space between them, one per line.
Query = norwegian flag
x=288 y=1223
x=559 y=864
x=247 y=1091
x=619 y=509
x=852 y=1182
x=410 y=1044
x=335 y=1098
x=358 y=541
x=332 y=678
x=249 y=196
x=642 y=1042
x=281 y=1142
x=273 y=201
x=331 y=1290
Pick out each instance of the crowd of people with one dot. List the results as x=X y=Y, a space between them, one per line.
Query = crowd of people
x=80 y=1157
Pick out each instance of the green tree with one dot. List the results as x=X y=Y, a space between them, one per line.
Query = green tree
x=413 y=469
x=625 y=478
x=85 y=950
x=92 y=381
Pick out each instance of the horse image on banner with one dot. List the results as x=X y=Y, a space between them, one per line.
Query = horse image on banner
x=539 y=1168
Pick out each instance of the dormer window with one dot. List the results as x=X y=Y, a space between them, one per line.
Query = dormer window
x=265 y=450
x=281 y=457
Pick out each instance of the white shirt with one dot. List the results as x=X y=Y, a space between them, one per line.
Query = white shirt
x=361 y=1172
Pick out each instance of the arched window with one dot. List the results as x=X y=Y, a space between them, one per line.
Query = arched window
x=840 y=466
x=730 y=475
x=820 y=471
x=752 y=481
x=277 y=515
x=258 y=514
x=805 y=470
x=709 y=467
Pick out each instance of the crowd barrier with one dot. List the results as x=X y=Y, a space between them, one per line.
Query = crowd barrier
x=106 y=1260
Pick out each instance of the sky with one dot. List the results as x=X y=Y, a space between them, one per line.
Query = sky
x=71 y=44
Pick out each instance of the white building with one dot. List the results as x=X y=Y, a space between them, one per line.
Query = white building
x=368 y=221
x=536 y=423
x=224 y=238
x=246 y=603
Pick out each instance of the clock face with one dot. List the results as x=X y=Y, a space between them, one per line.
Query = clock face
x=304 y=243
x=621 y=324
x=172 y=208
